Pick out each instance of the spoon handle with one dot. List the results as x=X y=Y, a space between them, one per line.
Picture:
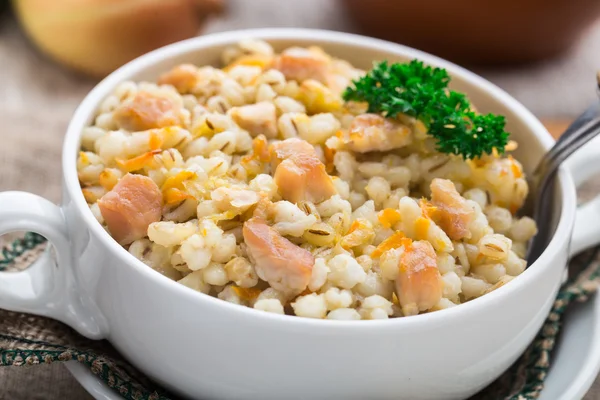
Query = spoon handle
x=585 y=127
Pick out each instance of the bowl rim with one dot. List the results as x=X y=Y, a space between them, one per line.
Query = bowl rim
x=92 y=100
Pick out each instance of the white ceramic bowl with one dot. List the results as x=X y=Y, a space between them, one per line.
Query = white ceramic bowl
x=201 y=347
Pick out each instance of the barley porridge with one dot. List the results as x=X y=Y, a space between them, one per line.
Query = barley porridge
x=257 y=183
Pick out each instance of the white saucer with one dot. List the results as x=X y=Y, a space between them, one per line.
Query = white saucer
x=575 y=366
x=90 y=382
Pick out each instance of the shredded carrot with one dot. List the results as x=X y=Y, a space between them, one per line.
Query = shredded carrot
x=108 y=179
x=156 y=141
x=247 y=294
x=137 y=163
x=250 y=61
x=174 y=196
x=329 y=154
x=395 y=299
x=349 y=239
x=514 y=167
x=260 y=147
x=422 y=228
x=388 y=217
x=176 y=181
x=84 y=157
x=429 y=210
x=393 y=242
x=355 y=225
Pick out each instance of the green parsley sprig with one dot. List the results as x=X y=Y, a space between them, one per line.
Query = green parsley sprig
x=421 y=91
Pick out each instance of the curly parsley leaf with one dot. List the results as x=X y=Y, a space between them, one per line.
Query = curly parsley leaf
x=421 y=91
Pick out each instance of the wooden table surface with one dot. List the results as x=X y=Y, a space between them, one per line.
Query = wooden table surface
x=37 y=99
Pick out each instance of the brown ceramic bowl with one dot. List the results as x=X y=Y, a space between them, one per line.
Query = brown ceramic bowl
x=478 y=31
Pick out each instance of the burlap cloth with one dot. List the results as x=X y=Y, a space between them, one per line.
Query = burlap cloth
x=37 y=99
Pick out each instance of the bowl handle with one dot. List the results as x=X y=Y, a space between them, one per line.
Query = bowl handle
x=583 y=164
x=48 y=286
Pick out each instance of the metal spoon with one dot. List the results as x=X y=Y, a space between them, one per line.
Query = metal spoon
x=541 y=182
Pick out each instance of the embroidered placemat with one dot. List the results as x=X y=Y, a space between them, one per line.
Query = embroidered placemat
x=27 y=340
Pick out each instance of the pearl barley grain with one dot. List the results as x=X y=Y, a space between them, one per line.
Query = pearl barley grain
x=344 y=314
x=269 y=305
x=310 y=306
x=341 y=194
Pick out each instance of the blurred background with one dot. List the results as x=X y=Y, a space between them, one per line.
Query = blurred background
x=52 y=52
